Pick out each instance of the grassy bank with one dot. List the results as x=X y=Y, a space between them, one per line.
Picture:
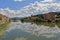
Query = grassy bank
x=2 y=27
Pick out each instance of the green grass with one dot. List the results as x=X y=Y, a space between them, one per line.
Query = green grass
x=3 y=27
x=58 y=24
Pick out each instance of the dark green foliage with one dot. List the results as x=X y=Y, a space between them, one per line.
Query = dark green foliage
x=0 y=18
x=49 y=20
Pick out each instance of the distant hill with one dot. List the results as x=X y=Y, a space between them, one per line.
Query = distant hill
x=43 y=17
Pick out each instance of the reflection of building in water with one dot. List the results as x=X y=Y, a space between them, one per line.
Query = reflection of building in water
x=34 y=29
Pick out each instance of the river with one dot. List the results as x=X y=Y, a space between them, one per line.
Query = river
x=29 y=31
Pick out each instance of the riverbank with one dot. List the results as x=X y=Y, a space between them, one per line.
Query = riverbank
x=3 y=27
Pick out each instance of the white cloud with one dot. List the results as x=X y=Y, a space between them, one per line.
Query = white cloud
x=12 y=13
x=19 y=0
x=41 y=7
x=48 y=1
x=41 y=30
x=9 y=12
x=32 y=8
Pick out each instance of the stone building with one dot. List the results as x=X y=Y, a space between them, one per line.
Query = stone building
x=3 y=19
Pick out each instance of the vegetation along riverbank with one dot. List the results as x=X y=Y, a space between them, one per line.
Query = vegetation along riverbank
x=4 y=21
x=47 y=17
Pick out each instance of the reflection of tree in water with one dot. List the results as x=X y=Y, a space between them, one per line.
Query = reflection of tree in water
x=26 y=31
x=17 y=33
x=58 y=24
x=50 y=24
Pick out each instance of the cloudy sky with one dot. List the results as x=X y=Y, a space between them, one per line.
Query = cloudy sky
x=22 y=8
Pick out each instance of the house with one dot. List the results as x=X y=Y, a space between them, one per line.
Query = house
x=3 y=19
x=49 y=16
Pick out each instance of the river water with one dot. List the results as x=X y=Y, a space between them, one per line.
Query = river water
x=29 y=31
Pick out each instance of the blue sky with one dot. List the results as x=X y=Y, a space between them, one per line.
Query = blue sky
x=15 y=5
x=27 y=7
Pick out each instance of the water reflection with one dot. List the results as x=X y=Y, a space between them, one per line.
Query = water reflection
x=49 y=24
x=28 y=31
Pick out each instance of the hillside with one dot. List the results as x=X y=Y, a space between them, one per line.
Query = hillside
x=51 y=16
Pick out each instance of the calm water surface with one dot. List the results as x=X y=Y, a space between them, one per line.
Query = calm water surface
x=28 y=31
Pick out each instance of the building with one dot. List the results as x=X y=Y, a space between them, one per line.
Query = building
x=3 y=19
x=50 y=16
